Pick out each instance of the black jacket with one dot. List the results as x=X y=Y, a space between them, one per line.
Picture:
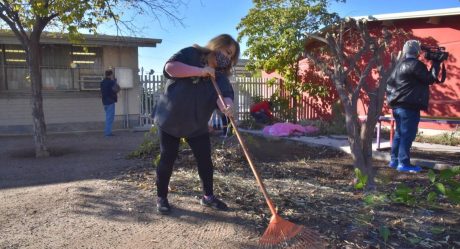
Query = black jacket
x=186 y=105
x=109 y=96
x=408 y=85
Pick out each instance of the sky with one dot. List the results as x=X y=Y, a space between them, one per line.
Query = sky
x=204 y=19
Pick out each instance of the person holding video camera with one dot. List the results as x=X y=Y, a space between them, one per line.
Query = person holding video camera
x=407 y=94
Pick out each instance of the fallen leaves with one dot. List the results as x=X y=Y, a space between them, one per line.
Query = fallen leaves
x=310 y=186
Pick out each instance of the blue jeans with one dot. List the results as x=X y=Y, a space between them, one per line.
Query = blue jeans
x=406 y=129
x=109 y=116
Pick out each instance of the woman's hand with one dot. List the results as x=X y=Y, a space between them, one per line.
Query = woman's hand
x=208 y=72
x=228 y=111
x=228 y=108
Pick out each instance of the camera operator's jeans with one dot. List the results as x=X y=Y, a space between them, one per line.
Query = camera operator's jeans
x=406 y=129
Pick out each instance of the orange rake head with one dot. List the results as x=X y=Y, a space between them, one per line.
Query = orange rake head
x=281 y=233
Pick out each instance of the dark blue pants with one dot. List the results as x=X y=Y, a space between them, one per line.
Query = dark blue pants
x=169 y=147
x=261 y=117
x=406 y=129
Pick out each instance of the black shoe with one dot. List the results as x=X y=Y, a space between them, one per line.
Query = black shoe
x=213 y=202
x=163 y=206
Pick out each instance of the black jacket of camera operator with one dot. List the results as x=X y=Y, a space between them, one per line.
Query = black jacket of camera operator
x=408 y=85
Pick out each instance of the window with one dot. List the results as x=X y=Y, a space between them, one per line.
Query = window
x=58 y=79
x=58 y=56
x=15 y=68
x=87 y=57
x=61 y=66
x=56 y=71
x=15 y=56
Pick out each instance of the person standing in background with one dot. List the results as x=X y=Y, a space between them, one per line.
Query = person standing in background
x=109 y=91
x=262 y=112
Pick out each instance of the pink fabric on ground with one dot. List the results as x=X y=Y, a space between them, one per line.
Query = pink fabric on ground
x=310 y=129
x=288 y=129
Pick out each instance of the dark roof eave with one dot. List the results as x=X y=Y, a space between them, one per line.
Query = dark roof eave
x=90 y=40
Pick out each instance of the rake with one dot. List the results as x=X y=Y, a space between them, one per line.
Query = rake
x=280 y=232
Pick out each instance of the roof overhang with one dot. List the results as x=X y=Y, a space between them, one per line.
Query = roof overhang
x=411 y=15
x=433 y=16
x=8 y=37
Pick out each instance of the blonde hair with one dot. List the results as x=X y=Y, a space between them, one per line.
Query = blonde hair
x=221 y=42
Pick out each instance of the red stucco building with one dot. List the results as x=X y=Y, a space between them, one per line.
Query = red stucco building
x=440 y=27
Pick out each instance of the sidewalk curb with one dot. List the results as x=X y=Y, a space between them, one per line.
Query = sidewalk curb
x=340 y=143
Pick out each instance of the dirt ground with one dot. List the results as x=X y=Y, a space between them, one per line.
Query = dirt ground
x=89 y=195
x=76 y=199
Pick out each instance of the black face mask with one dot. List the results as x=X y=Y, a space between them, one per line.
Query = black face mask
x=222 y=60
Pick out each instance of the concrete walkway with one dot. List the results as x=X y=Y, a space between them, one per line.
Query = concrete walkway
x=341 y=143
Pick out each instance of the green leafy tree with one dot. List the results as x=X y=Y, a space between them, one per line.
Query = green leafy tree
x=344 y=51
x=27 y=19
x=276 y=31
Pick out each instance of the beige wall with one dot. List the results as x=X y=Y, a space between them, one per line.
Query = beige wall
x=15 y=111
x=124 y=57
x=60 y=108
x=75 y=107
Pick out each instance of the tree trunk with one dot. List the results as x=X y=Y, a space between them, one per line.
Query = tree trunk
x=39 y=126
x=366 y=150
x=361 y=150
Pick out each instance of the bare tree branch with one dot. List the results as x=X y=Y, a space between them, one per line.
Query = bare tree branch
x=320 y=64
x=164 y=6
x=318 y=38
x=362 y=78
x=19 y=31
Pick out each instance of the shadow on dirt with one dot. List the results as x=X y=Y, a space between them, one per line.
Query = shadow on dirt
x=74 y=157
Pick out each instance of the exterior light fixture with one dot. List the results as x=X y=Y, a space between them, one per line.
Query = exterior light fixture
x=84 y=53
x=15 y=60
x=83 y=62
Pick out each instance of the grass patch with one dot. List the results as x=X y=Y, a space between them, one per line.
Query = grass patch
x=451 y=138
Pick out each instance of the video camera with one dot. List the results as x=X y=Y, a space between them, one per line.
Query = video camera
x=435 y=54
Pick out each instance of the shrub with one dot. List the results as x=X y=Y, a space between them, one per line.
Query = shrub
x=444 y=184
x=150 y=147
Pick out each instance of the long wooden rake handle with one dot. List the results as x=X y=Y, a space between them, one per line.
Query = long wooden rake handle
x=245 y=150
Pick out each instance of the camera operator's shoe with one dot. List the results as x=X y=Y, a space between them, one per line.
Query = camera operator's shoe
x=408 y=168
x=393 y=164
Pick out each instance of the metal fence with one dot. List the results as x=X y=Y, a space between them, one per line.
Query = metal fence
x=246 y=90
x=151 y=88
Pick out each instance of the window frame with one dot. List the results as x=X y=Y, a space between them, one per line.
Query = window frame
x=54 y=70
